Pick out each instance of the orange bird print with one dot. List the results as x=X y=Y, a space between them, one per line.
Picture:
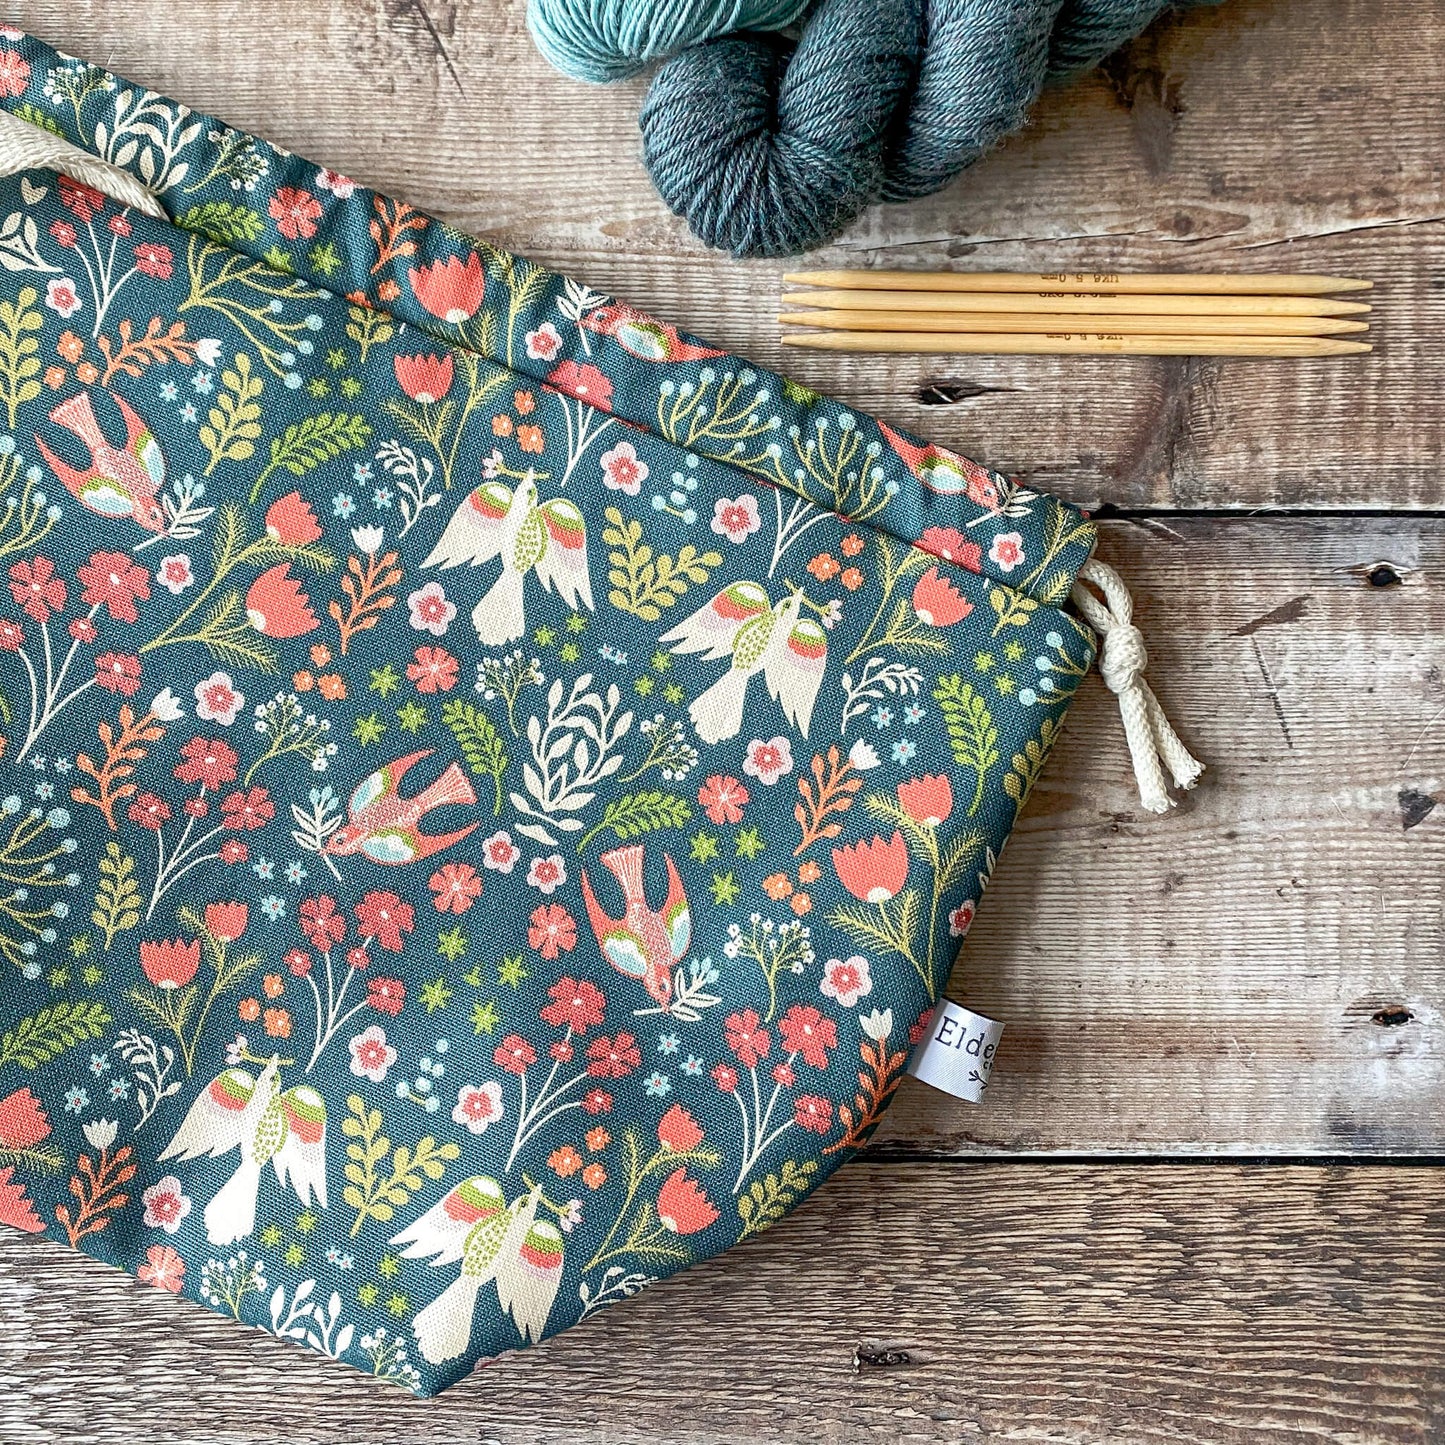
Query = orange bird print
x=643 y=944
x=643 y=335
x=117 y=481
x=941 y=470
x=383 y=824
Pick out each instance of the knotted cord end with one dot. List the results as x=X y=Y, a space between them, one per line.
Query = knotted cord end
x=1153 y=743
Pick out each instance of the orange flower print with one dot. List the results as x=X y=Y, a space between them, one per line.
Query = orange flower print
x=331 y=686
x=320 y=654
x=249 y=1010
x=801 y=904
x=388 y=290
x=852 y=545
x=777 y=886
x=530 y=438
x=525 y=403
x=273 y=985
x=70 y=347
x=809 y=872
x=852 y=578
x=825 y=566
x=302 y=681
x=598 y=1139
x=277 y=1023
x=54 y=377
x=594 y=1176
x=87 y=373
x=501 y=425
x=564 y=1162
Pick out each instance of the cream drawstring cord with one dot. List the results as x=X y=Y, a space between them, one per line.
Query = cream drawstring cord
x=1122 y=660
x=25 y=147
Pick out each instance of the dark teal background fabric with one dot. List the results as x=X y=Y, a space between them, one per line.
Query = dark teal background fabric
x=490 y=790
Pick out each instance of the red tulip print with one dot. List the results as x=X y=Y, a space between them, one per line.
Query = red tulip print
x=682 y=1207
x=927 y=800
x=875 y=871
x=290 y=521
x=424 y=378
x=276 y=606
x=937 y=601
x=170 y=964
x=450 y=289
x=22 y=1121
x=226 y=921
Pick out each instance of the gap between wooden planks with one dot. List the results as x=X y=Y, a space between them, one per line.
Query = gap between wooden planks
x=902 y=1304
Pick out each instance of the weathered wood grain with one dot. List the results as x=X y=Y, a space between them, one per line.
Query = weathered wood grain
x=974 y=1302
x=1266 y=134
x=1236 y=976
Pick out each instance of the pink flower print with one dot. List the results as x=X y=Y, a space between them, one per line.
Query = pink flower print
x=768 y=761
x=152 y=259
x=371 y=1055
x=430 y=610
x=478 y=1105
x=165 y=1204
x=218 y=699
x=163 y=1269
x=547 y=874
x=14 y=72
x=584 y=382
x=1007 y=551
x=738 y=520
x=499 y=853
x=623 y=470
x=36 y=589
x=61 y=297
x=961 y=919
x=544 y=343
x=339 y=185
x=295 y=213
x=175 y=574
x=846 y=979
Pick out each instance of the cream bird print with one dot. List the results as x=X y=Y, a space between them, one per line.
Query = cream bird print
x=285 y=1128
x=761 y=636
x=475 y=1226
x=547 y=539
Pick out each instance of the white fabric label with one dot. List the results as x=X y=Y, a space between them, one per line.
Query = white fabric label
x=957 y=1053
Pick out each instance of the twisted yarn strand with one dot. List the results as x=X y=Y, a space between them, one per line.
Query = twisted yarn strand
x=768 y=149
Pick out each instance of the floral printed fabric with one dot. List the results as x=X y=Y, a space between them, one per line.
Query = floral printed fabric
x=492 y=786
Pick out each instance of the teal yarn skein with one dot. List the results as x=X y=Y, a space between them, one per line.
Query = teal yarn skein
x=769 y=149
x=606 y=40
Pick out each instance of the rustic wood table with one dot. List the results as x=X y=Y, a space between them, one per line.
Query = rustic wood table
x=1202 y=1202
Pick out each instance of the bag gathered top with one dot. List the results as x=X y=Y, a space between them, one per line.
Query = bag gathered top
x=492 y=786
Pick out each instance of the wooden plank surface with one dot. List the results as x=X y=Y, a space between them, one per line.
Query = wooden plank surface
x=1259 y=974
x=1265 y=135
x=976 y=1302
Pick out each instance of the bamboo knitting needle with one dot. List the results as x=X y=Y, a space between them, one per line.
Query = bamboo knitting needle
x=919 y=321
x=1077 y=343
x=1015 y=303
x=1074 y=282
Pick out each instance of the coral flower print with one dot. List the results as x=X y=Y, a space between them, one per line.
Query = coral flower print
x=514 y=1054
x=218 y=699
x=451 y=290
x=937 y=601
x=500 y=853
x=165 y=1205
x=768 y=761
x=873 y=871
x=950 y=544
x=456 y=887
x=291 y=521
x=118 y=672
x=340 y=186
x=60 y=296
x=1006 y=551
x=736 y=520
x=805 y=1031
x=424 y=378
x=552 y=928
x=226 y=922
x=846 y=980
x=295 y=213
x=113 y=580
x=678 y=1130
x=682 y=1206
x=14 y=73
x=584 y=382
x=430 y=610
x=478 y=1105
x=385 y=917
x=36 y=589
x=746 y=1038
x=170 y=965
x=208 y=761
x=813 y=1113
x=576 y=1005
x=163 y=1269
x=153 y=260
x=723 y=799
x=622 y=469
x=434 y=670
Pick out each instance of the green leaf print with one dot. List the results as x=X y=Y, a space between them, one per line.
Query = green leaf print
x=234 y=423
x=633 y=814
x=971 y=733
x=371 y=1191
x=480 y=742
x=767 y=1200
x=19 y=365
x=223 y=221
x=305 y=444
x=41 y=1037
x=644 y=582
x=117 y=897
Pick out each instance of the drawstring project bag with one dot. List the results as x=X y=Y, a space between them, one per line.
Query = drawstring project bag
x=492 y=786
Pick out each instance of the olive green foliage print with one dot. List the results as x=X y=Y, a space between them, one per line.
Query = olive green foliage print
x=491 y=786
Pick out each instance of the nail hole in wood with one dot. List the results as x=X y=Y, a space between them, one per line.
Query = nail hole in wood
x=1382 y=574
x=879 y=1359
x=1391 y=1018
